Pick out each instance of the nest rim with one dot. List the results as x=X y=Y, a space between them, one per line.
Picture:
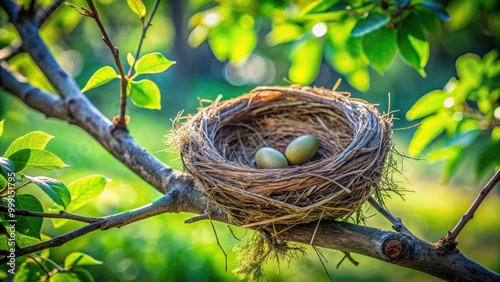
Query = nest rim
x=245 y=202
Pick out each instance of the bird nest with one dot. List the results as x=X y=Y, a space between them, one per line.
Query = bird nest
x=218 y=146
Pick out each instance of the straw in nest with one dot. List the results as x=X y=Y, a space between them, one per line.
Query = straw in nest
x=218 y=145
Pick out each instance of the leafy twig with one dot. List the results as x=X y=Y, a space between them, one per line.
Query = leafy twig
x=473 y=208
x=116 y=55
x=143 y=35
x=397 y=224
x=61 y=214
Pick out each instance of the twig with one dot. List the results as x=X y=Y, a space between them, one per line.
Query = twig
x=397 y=224
x=197 y=218
x=143 y=35
x=473 y=208
x=116 y=55
x=16 y=47
x=61 y=214
x=162 y=205
x=348 y=256
x=218 y=242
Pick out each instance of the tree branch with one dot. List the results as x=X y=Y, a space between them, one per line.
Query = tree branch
x=34 y=46
x=473 y=208
x=61 y=214
x=162 y=205
x=397 y=224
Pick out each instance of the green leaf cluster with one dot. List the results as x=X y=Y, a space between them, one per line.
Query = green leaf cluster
x=143 y=93
x=464 y=114
x=41 y=268
x=26 y=152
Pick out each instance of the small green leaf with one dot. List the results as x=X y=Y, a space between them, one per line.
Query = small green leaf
x=29 y=226
x=54 y=188
x=138 y=7
x=462 y=139
x=152 y=63
x=32 y=140
x=430 y=128
x=73 y=275
x=372 y=22
x=29 y=271
x=462 y=13
x=85 y=190
x=429 y=20
x=318 y=6
x=437 y=8
x=451 y=163
x=286 y=32
x=469 y=68
x=495 y=134
x=1 y=127
x=243 y=41
x=360 y=79
x=100 y=77
x=427 y=105
x=485 y=163
x=145 y=94
x=27 y=158
x=7 y=168
x=78 y=258
x=82 y=191
x=306 y=59
x=380 y=47
x=412 y=43
x=24 y=240
x=130 y=59
x=220 y=41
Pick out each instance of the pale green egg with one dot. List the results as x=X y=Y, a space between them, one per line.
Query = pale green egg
x=301 y=149
x=268 y=157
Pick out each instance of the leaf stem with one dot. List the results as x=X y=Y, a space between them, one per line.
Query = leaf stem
x=116 y=55
x=473 y=208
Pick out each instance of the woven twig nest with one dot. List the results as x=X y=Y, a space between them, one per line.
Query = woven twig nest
x=218 y=145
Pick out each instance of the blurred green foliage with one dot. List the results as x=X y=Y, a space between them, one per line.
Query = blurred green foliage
x=371 y=33
x=467 y=109
x=304 y=41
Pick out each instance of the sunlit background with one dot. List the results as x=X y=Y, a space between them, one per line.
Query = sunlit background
x=163 y=248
